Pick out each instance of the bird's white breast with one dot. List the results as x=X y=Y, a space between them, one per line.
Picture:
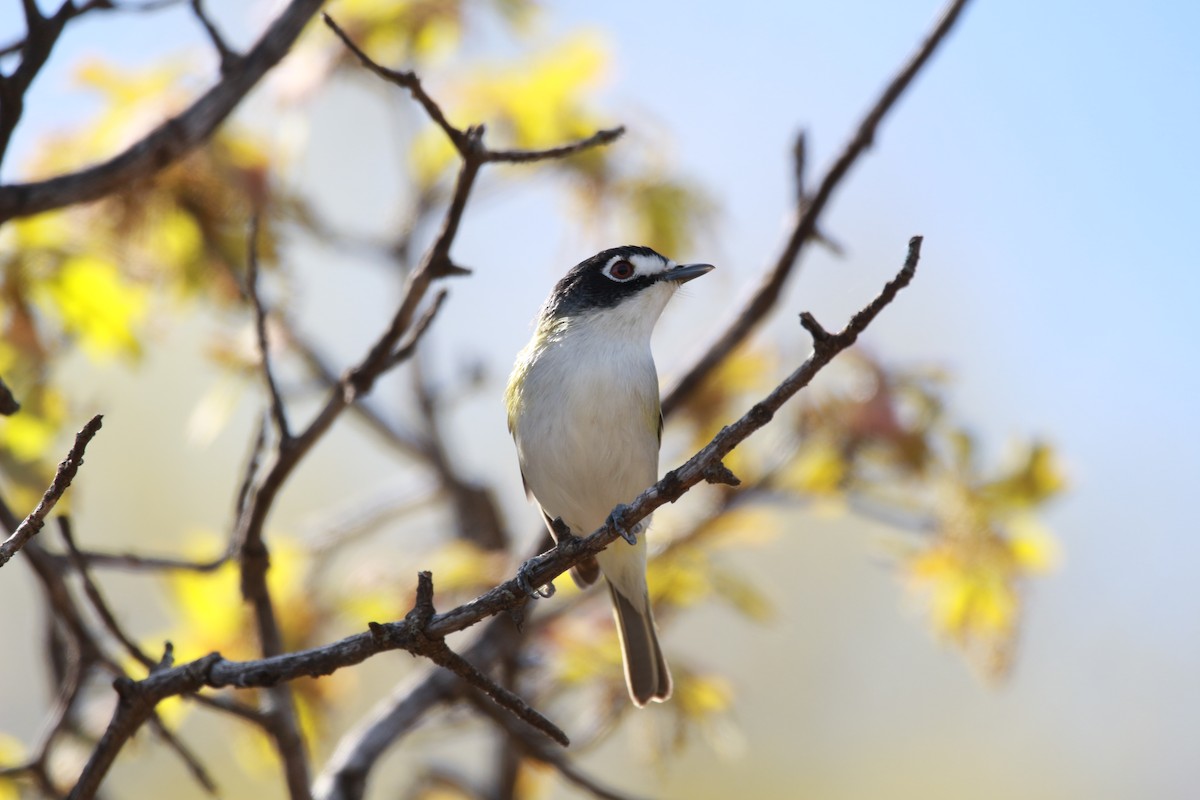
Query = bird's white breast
x=587 y=427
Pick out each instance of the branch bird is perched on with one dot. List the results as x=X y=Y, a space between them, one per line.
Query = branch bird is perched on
x=583 y=408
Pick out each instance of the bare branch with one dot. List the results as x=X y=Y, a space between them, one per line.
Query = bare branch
x=468 y=147
x=278 y=410
x=540 y=751
x=99 y=605
x=108 y=619
x=41 y=35
x=603 y=137
x=809 y=210
x=189 y=759
x=135 y=703
x=98 y=5
x=138 y=563
x=55 y=724
x=345 y=774
x=8 y=403
x=408 y=80
x=168 y=142
x=407 y=349
x=250 y=473
x=229 y=59
x=62 y=479
x=439 y=653
x=391 y=434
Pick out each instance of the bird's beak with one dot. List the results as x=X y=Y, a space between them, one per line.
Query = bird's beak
x=685 y=272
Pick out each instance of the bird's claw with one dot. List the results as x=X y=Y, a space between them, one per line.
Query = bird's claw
x=617 y=522
x=534 y=592
x=560 y=529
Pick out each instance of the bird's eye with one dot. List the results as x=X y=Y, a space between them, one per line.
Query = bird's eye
x=621 y=270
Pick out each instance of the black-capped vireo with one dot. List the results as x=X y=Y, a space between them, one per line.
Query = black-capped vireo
x=583 y=407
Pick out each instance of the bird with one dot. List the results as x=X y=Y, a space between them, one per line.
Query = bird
x=584 y=411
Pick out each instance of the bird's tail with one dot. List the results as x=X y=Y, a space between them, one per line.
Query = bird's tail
x=646 y=672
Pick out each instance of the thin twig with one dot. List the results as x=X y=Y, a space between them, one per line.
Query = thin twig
x=62 y=479
x=197 y=770
x=138 y=563
x=229 y=59
x=250 y=472
x=601 y=137
x=108 y=619
x=389 y=432
x=99 y=605
x=409 y=81
x=278 y=410
x=437 y=651
x=406 y=349
x=97 y=5
x=540 y=751
x=8 y=403
x=42 y=34
x=345 y=774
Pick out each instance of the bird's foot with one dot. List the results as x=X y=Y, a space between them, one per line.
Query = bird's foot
x=526 y=586
x=616 y=520
x=560 y=529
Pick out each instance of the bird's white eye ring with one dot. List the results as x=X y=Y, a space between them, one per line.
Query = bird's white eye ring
x=621 y=271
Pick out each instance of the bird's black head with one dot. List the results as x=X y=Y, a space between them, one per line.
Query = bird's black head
x=612 y=276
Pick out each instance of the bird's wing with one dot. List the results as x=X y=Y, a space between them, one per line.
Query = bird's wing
x=525 y=484
x=586 y=572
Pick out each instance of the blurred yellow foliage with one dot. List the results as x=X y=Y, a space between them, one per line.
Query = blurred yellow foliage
x=134 y=100
x=970 y=584
x=665 y=213
x=972 y=575
x=83 y=276
x=402 y=30
x=741 y=525
x=702 y=704
x=1033 y=546
x=459 y=565
x=534 y=780
x=680 y=578
x=1035 y=476
x=534 y=103
x=689 y=574
x=213 y=615
x=40 y=232
x=12 y=751
x=173 y=237
x=703 y=695
x=92 y=300
x=743 y=594
x=818 y=468
x=539 y=99
x=28 y=435
x=588 y=652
